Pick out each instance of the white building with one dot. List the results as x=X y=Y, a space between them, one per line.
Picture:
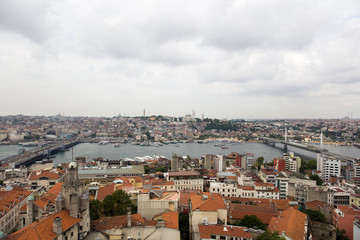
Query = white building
x=329 y=166
x=186 y=180
x=259 y=190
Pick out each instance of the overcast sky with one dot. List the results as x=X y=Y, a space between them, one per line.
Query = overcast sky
x=224 y=59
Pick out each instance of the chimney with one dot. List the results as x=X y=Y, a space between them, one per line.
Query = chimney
x=57 y=226
x=129 y=217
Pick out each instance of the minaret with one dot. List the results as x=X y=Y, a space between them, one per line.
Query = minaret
x=321 y=140
x=285 y=144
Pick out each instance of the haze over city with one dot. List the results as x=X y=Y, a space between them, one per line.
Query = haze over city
x=225 y=59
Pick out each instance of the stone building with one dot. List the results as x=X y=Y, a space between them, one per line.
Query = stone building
x=67 y=217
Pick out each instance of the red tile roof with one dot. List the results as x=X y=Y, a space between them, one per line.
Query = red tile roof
x=207 y=230
x=46 y=175
x=184 y=173
x=209 y=204
x=105 y=191
x=264 y=213
x=50 y=196
x=316 y=205
x=171 y=219
x=44 y=228
x=290 y=221
x=106 y=223
x=9 y=199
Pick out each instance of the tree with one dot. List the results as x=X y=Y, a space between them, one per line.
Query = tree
x=251 y=221
x=270 y=236
x=161 y=169
x=340 y=234
x=316 y=177
x=117 y=203
x=146 y=169
x=316 y=216
x=96 y=209
x=260 y=160
x=311 y=164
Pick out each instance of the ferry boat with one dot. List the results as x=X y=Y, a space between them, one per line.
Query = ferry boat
x=117 y=145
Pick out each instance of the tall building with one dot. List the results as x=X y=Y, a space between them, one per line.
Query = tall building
x=207 y=161
x=329 y=166
x=176 y=163
x=288 y=162
x=279 y=164
x=220 y=163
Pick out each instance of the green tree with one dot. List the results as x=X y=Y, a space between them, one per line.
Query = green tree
x=117 y=203
x=316 y=216
x=311 y=164
x=270 y=236
x=184 y=225
x=146 y=169
x=161 y=169
x=96 y=209
x=340 y=234
x=316 y=177
x=260 y=160
x=251 y=221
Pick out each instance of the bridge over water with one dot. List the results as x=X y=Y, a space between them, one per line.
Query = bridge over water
x=272 y=141
x=31 y=156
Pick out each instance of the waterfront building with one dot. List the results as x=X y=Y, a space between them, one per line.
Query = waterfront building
x=329 y=166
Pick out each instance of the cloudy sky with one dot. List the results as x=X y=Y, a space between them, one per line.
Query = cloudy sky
x=225 y=59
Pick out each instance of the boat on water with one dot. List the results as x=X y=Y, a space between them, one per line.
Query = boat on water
x=29 y=144
x=219 y=145
x=117 y=145
x=103 y=142
x=224 y=147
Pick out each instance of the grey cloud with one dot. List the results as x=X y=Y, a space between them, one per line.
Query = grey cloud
x=26 y=18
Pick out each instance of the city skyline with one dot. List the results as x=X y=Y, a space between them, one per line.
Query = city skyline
x=232 y=59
